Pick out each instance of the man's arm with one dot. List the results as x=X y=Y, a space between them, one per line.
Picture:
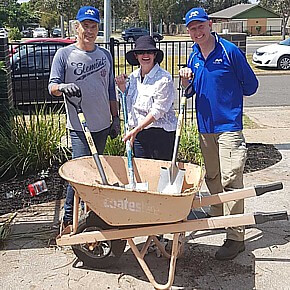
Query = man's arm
x=114 y=108
x=54 y=90
x=244 y=73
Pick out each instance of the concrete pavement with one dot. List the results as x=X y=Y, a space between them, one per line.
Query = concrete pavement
x=28 y=262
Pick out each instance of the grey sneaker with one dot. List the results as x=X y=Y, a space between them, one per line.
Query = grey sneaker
x=229 y=250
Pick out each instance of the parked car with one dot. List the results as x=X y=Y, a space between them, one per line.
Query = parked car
x=3 y=32
x=40 y=32
x=27 y=33
x=56 y=32
x=35 y=41
x=131 y=34
x=100 y=36
x=30 y=66
x=274 y=55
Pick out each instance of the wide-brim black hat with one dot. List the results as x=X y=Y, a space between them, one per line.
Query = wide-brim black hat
x=144 y=43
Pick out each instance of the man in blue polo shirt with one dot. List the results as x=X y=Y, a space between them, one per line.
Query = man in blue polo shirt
x=220 y=77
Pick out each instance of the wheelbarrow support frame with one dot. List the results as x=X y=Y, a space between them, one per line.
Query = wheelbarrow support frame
x=69 y=236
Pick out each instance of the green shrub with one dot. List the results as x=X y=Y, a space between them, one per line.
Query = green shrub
x=14 y=34
x=30 y=144
x=115 y=147
x=189 y=149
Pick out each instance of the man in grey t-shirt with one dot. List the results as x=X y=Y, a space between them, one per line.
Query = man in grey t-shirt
x=86 y=69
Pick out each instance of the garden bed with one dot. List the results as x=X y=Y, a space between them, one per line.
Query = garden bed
x=260 y=156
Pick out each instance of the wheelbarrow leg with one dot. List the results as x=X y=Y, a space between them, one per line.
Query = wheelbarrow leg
x=76 y=213
x=140 y=258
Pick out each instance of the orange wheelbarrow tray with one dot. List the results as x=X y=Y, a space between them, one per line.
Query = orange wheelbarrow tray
x=118 y=214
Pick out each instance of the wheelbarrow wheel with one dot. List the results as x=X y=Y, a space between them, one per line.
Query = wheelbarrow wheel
x=101 y=254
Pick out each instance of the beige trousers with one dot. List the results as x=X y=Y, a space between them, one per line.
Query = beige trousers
x=225 y=156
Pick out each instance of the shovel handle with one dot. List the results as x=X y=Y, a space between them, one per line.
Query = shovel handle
x=81 y=116
x=76 y=102
x=92 y=147
x=126 y=127
x=179 y=128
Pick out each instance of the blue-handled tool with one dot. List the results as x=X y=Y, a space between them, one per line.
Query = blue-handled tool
x=132 y=183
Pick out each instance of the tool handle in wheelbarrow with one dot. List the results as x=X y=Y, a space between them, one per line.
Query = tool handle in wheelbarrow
x=179 y=128
x=261 y=217
x=76 y=102
x=261 y=189
x=126 y=129
x=186 y=95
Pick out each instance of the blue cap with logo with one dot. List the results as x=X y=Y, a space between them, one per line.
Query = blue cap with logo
x=195 y=14
x=88 y=13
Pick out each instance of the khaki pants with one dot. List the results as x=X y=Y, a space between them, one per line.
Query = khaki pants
x=225 y=156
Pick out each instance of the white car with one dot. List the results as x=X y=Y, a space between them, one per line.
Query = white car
x=3 y=33
x=274 y=55
x=40 y=32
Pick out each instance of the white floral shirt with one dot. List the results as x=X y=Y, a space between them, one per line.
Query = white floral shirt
x=154 y=95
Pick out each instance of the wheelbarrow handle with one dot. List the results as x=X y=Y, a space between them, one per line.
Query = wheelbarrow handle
x=261 y=189
x=261 y=217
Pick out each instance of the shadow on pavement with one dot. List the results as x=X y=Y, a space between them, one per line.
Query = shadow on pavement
x=197 y=268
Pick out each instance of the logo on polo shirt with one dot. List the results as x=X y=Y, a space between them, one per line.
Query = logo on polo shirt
x=90 y=11
x=218 y=61
x=196 y=65
x=193 y=14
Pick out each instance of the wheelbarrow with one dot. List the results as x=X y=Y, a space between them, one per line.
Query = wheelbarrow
x=118 y=214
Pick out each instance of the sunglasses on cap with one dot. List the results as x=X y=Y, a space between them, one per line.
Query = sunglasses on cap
x=144 y=52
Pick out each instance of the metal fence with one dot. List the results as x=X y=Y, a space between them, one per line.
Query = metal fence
x=31 y=63
x=263 y=30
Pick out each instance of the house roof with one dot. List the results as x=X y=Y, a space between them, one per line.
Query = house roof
x=233 y=11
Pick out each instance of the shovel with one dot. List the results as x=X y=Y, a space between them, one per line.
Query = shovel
x=171 y=179
x=132 y=183
x=81 y=116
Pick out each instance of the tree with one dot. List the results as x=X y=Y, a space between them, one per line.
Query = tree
x=281 y=7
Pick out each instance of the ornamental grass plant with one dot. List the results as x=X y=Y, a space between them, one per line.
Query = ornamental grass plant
x=189 y=149
x=31 y=143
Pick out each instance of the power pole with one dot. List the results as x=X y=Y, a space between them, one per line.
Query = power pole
x=62 y=26
x=107 y=20
x=150 y=18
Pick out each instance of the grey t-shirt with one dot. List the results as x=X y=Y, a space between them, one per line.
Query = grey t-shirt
x=92 y=72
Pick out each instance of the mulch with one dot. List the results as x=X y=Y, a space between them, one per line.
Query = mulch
x=14 y=194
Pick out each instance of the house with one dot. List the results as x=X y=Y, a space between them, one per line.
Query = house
x=252 y=18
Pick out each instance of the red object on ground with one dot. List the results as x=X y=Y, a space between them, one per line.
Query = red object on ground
x=37 y=188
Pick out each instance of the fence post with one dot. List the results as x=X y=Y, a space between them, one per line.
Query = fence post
x=6 y=93
x=112 y=50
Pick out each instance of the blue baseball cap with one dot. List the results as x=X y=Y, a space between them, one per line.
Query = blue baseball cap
x=88 y=13
x=196 y=14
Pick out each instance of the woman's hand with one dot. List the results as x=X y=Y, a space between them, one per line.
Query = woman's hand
x=132 y=135
x=121 y=82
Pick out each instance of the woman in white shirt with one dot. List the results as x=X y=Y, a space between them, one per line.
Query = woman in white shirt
x=150 y=98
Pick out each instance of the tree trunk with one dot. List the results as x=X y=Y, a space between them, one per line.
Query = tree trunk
x=150 y=18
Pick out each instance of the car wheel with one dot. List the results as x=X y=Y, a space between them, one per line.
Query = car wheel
x=130 y=39
x=284 y=62
x=156 y=39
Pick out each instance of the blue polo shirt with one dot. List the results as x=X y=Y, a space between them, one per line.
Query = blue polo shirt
x=220 y=82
